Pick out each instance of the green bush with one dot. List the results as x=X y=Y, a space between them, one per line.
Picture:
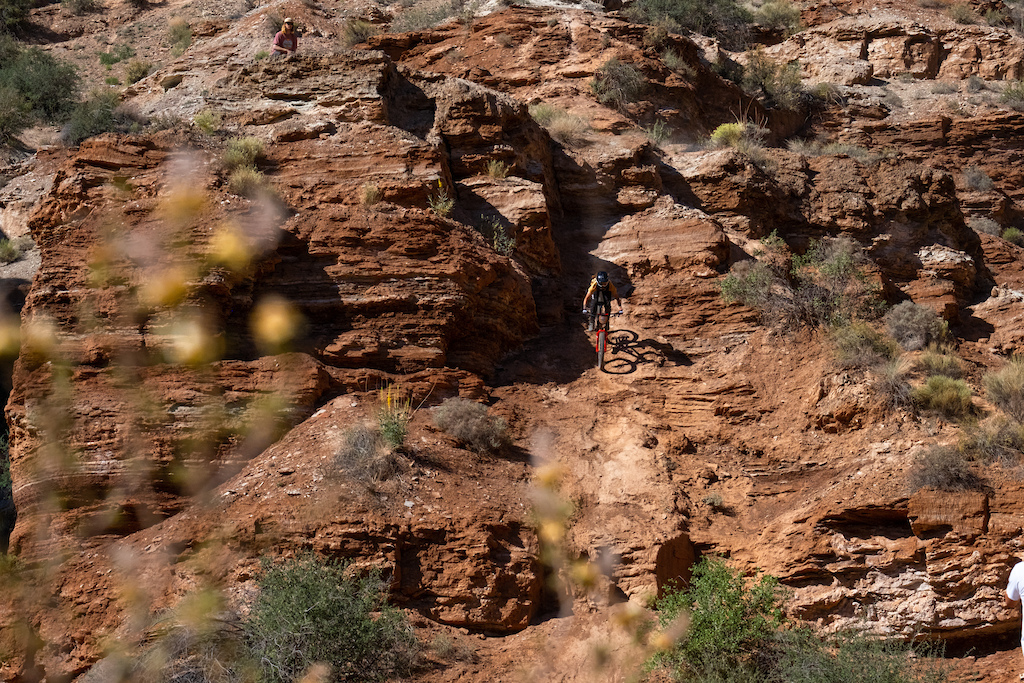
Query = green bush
x=728 y=134
x=803 y=657
x=468 y=422
x=914 y=326
x=48 y=86
x=13 y=14
x=310 y=612
x=826 y=286
x=207 y=121
x=246 y=151
x=120 y=53
x=779 y=14
x=778 y=86
x=947 y=396
x=726 y=20
x=136 y=70
x=729 y=618
x=394 y=413
x=9 y=251
x=658 y=132
x=247 y=181
x=675 y=62
x=942 y=468
x=1014 y=236
x=618 y=84
x=365 y=455
x=14 y=113
x=101 y=113
x=938 y=359
x=1005 y=388
x=858 y=345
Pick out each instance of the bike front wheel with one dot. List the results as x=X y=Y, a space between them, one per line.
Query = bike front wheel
x=602 y=341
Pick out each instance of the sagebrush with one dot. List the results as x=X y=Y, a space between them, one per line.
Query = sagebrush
x=471 y=425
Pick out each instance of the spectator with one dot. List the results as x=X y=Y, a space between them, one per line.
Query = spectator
x=286 y=42
x=1014 y=590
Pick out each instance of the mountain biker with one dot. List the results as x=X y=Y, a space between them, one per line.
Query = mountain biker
x=600 y=293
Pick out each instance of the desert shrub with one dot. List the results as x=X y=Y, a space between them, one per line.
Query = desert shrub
x=48 y=86
x=310 y=612
x=801 y=656
x=826 y=93
x=468 y=422
x=503 y=40
x=994 y=17
x=112 y=80
x=441 y=202
x=618 y=84
x=943 y=468
x=261 y=54
x=779 y=14
x=370 y=194
x=977 y=179
x=859 y=345
x=247 y=151
x=137 y=69
x=914 y=326
x=119 y=54
x=826 y=286
x=207 y=121
x=13 y=14
x=943 y=88
x=729 y=617
x=995 y=440
x=210 y=652
x=1014 y=236
x=728 y=134
x=776 y=85
x=79 y=7
x=725 y=19
x=658 y=132
x=563 y=127
x=9 y=251
x=246 y=181
x=423 y=16
x=938 y=359
x=674 y=61
x=890 y=387
x=1013 y=95
x=357 y=31
x=100 y=113
x=962 y=13
x=503 y=241
x=364 y=455
x=946 y=396
x=1005 y=388
x=975 y=83
x=980 y=224
x=179 y=36
x=497 y=169
x=394 y=413
x=14 y=113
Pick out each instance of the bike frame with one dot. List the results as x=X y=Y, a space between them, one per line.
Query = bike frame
x=601 y=344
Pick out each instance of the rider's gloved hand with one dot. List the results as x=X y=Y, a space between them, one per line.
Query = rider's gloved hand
x=584 y=311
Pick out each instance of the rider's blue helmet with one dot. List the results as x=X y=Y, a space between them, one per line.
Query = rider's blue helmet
x=602 y=279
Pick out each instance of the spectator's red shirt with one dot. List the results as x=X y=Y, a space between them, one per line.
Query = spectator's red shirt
x=288 y=42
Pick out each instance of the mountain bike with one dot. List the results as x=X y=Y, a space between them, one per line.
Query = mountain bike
x=601 y=342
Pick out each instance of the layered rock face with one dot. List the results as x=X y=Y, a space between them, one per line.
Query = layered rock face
x=193 y=357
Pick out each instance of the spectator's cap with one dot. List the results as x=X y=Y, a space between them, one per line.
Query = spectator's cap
x=288 y=20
